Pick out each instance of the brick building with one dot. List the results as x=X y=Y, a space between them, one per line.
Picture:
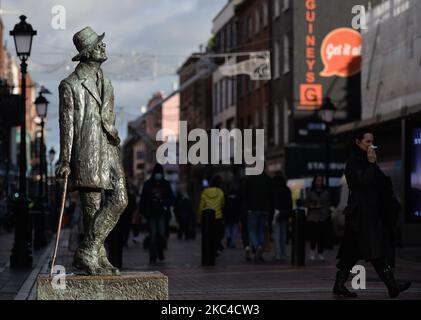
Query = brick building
x=196 y=109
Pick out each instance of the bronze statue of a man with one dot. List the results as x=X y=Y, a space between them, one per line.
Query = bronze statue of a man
x=89 y=150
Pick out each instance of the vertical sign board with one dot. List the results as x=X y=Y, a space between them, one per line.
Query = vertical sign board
x=327 y=58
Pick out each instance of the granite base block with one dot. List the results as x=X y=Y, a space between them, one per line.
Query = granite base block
x=127 y=286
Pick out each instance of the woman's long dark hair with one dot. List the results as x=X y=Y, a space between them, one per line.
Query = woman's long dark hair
x=357 y=135
x=313 y=184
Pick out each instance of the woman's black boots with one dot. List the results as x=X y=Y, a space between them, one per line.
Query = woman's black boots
x=339 y=288
x=394 y=287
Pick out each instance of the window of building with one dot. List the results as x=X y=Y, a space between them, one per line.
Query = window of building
x=234 y=36
x=257 y=21
x=286 y=5
x=221 y=94
x=264 y=125
x=234 y=90
x=286 y=121
x=276 y=8
x=240 y=30
x=215 y=98
x=276 y=124
x=140 y=155
x=276 y=60
x=225 y=92
x=222 y=47
x=221 y=97
x=217 y=43
x=249 y=27
x=265 y=14
x=229 y=36
x=286 y=54
x=229 y=91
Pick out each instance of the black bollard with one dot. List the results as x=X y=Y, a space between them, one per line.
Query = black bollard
x=298 y=237
x=208 y=238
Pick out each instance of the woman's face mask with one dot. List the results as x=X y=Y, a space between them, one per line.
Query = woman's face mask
x=158 y=176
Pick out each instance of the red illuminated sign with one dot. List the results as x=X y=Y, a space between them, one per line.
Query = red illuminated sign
x=310 y=92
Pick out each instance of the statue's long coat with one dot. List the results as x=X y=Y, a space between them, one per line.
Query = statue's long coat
x=88 y=137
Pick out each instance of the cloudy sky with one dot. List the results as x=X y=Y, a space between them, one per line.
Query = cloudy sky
x=146 y=41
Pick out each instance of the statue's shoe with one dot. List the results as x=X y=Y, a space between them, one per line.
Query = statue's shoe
x=105 y=264
x=87 y=261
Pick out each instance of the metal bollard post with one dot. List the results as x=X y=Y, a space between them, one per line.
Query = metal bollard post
x=208 y=238
x=298 y=237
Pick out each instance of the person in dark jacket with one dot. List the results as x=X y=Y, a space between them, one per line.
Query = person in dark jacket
x=232 y=212
x=155 y=203
x=129 y=212
x=259 y=208
x=245 y=235
x=184 y=214
x=318 y=216
x=282 y=204
x=369 y=218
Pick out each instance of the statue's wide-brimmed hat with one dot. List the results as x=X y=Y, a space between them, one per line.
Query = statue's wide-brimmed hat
x=85 y=40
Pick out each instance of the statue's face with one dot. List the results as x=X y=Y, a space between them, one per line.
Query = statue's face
x=98 y=53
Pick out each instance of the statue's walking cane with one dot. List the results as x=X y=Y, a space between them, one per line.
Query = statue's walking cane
x=63 y=201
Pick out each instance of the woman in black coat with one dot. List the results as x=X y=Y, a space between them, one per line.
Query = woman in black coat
x=370 y=217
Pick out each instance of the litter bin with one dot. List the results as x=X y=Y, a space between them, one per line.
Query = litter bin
x=298 y=237
x=208 y=237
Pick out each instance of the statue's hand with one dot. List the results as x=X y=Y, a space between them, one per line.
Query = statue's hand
x=63 y=170
x=115 y=141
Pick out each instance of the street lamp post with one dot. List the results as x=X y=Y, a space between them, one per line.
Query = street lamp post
x=327 y=113
x=52 y=222
x=41 y=104
x=51 y=157
x=21 y=256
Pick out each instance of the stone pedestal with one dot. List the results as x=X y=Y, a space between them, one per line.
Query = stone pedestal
x=128 y=286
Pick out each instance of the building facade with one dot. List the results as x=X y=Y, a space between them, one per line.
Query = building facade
x=196 y=110
x=224 y=89
x=281 y=85
x=10 y=88
x=253 y=34
x=139 y=150
x=315 y=58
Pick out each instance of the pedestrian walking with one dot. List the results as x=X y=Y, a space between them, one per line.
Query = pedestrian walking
x=259 y=207
x=155 y=203
x=184 y=214
x=212 y=198
x=318 y=217
x=282 y=204
x=245 y=234
x=127 y=215
x=370 y=218
x=232 y=212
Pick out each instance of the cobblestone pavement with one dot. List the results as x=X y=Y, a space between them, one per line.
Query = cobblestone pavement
x=12 y=281
x=232 y=278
